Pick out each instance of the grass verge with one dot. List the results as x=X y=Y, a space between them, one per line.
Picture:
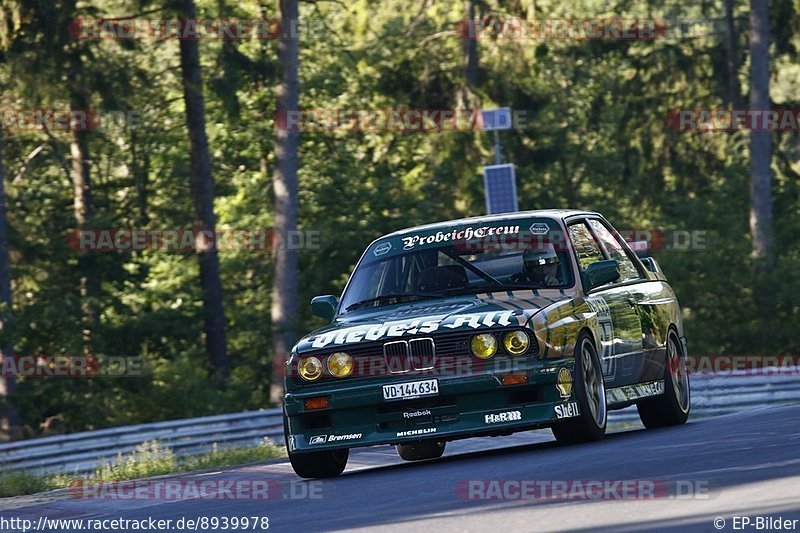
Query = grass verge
x=149 y=459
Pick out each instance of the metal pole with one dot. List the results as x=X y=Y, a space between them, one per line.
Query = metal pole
x=498 y=156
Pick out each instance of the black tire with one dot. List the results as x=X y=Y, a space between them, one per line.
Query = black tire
x=417 y=451
x=311 y=465
x=671 y=408
x=590 y=393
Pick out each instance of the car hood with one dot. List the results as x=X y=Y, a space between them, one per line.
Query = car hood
x=462 y=313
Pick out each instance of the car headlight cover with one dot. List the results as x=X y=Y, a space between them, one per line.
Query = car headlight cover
x=340 y=364
x=484 y=345
x=516 y=342
x=310 y=368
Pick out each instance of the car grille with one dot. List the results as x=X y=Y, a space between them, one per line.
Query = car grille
x=404 y=356
x=416 y=354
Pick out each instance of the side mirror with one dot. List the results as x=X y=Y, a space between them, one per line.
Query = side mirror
x=600 y=273
x=324 y=306
x=652 y=265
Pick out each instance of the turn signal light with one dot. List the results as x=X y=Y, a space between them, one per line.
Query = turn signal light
x=320 y=402
x=514 y=379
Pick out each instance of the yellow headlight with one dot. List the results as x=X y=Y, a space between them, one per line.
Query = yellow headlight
x=310 y=368
x=340 y=364
x=516 y=342
x=484 y=345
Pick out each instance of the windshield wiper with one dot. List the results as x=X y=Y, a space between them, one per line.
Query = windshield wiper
x=396 y=296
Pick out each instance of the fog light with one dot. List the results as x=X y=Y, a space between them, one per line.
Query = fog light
x=340 y=364
x=516 y=342
x=310 y=368
x=484 y=345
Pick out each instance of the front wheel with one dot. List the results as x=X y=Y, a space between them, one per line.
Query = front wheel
x=417 y=451
x=590 y=393
x=329 y=463
x=671 y=408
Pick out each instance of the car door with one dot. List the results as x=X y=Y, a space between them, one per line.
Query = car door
x=656 y=306
x=615 y=305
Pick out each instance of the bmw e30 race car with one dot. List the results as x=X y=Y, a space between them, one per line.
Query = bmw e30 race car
x=486 y=326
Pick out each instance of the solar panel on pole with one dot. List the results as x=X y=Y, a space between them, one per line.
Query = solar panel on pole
x=500 y=182
x=496 y=119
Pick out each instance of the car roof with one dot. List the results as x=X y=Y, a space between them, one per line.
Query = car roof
x=544 y=213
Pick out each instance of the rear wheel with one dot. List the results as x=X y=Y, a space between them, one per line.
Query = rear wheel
x=590 y=394
x=329 y=463
x=671 y=408
x=417 y=451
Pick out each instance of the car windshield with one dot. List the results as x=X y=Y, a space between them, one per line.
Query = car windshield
x=468 y=259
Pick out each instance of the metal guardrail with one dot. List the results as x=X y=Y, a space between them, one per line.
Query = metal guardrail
x=81 y=453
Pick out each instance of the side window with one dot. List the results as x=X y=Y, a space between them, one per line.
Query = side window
x=614 y=250
x=584 y=243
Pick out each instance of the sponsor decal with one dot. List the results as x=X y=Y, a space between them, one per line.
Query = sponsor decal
x=415 y=327
x=417 y=414
x=509 y=416
x=539 y=228
x=606 y=330
x=382 y=249
x=564 y=383
x=567 y=410
x=322 y=439
x=458 y=235
x=634 y=392
x=413 y=432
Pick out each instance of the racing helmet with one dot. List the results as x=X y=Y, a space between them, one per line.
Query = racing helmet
x=544 y=255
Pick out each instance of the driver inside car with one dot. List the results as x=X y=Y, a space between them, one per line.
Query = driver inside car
x=539 y=267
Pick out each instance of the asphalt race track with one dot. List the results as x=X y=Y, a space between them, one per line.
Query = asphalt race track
x=742 y=464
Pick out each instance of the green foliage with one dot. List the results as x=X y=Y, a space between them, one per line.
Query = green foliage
x=595 y=137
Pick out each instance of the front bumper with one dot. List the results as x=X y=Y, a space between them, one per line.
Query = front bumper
x=357 y=415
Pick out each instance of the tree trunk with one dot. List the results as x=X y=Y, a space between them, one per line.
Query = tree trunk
x=79 y=101
x=732 y=53
x=9 y=421
x=284 y=184
x=202 y=187
x=760 y=141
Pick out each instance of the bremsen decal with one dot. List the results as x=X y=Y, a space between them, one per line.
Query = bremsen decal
x=321 y=439
x=399 y=328
x=567 y=410
x=508 y=416
x=458 y=235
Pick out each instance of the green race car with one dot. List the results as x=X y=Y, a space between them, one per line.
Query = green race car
x=486 y=326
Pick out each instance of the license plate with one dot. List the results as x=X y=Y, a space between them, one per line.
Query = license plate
x=410 y=390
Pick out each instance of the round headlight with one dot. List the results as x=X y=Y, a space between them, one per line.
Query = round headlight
x=484 y=345
x=340 y=364
x=310 y=368
x=516 y=342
